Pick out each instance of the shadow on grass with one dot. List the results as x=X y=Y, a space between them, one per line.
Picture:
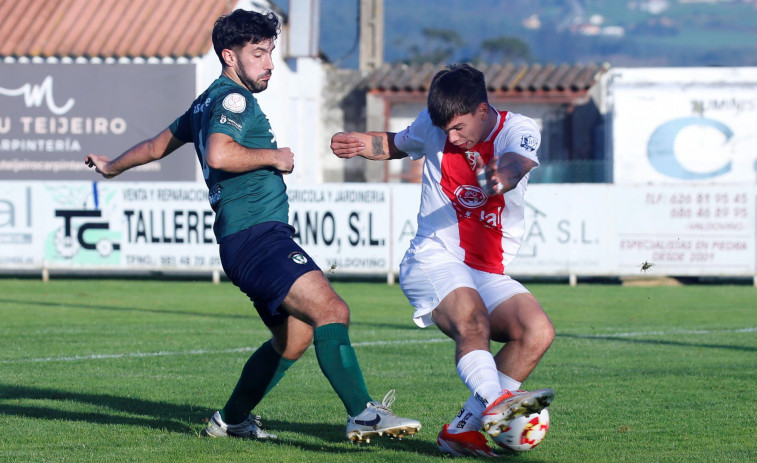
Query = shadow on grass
x=334 y=440
x=122 y=410
x=410 y=326
x=252 y=315
x=657 y=342
x=176 y=418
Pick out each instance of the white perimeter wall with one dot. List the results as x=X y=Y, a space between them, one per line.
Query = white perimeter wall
x=364 y=229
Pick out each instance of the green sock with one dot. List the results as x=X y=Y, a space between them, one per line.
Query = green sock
x=340 y=366
x=260 y=374
x=284 y=365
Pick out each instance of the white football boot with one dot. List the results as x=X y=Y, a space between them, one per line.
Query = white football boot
x=378 y=420
x=251 y=428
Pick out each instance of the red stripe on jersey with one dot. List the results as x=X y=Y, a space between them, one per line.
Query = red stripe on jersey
x=479 y=216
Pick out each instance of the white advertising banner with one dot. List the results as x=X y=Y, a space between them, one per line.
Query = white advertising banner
x=20 y=226
x=599 y=230
x=165 y=226
x=609 y=230
x=686 y=230
x=106 y=225
x=364 y=229
x=569 y=230
x=406 y=201
x=683 y=125
x=344 y=227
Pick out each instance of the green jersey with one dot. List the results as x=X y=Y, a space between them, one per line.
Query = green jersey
x=240 y=200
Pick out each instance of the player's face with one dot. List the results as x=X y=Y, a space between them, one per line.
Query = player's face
x=254 y=64
x=467 y=130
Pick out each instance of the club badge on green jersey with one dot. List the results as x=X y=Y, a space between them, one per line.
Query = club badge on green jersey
x=235 y=102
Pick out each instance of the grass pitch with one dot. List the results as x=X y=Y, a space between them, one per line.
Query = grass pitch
x=128 y=371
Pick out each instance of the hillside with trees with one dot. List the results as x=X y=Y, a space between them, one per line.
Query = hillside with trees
x=622 y=33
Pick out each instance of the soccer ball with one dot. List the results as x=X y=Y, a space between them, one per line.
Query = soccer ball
x=524 y=432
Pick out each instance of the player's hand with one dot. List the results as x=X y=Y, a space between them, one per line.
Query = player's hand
x=346 y=146
x=503 y=173
x=284 y=160
x=487 y=176
x=100 y=163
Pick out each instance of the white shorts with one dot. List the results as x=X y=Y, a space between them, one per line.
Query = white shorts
x=429 y=273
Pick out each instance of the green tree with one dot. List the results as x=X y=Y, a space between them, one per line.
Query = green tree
x=438 y=46
x=504 y=49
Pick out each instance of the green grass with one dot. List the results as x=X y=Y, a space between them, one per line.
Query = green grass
x=128 y=371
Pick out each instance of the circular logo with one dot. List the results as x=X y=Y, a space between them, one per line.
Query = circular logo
x=470 y=196
x=67 y=246
x=104 y=247
x=234 y=102
x=298 y=258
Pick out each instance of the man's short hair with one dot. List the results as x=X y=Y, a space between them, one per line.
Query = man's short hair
x=240 y=27
x=455 y=91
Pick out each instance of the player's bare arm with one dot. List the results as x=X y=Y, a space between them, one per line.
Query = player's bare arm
x=223 y=153
x=143 y=152
x=376 y=146
x=512 y=168
x=501 y=177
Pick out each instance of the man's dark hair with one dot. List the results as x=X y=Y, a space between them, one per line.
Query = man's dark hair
x=455 y=91
x=241 y=27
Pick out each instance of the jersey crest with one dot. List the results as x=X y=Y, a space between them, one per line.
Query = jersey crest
x=529 y=143
x=235 y=102
x=471 y=156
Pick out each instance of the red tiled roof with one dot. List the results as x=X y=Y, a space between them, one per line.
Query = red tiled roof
x=549 y=81
x=108 y=28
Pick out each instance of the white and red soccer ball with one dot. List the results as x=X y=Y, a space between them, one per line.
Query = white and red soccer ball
x=524 y=432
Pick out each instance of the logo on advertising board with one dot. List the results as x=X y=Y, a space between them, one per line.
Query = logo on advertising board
x=17 y=244
x=83 y=235
x=15 y=217
x=661 y=147
x=35 y=95
x=689 y=125
x=55 y=134
x=53 y=115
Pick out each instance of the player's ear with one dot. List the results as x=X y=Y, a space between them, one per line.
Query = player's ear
x=229 y=57
x=482 y=111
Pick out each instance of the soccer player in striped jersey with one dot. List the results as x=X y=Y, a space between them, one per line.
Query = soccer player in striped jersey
x=470 y=227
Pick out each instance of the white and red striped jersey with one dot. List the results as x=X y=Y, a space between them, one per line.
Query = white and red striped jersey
x=484 y=232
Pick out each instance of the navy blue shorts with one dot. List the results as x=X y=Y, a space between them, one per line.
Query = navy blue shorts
x=264 y=261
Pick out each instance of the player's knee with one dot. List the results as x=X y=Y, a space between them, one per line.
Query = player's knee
x=341 y=312
x=295 y=352
x=539 y=335
x=290 y=347
x=474 y=327
x=546 y=336
x=335 y=311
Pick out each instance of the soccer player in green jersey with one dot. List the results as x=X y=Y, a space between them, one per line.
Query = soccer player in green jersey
x=243 y=169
